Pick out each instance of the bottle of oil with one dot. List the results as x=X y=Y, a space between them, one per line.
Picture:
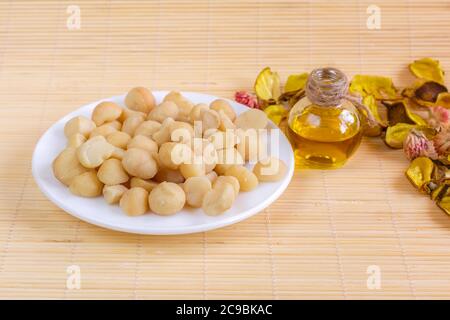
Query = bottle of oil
x=324 y=128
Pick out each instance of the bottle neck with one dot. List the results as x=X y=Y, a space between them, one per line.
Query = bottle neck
x=326 y=87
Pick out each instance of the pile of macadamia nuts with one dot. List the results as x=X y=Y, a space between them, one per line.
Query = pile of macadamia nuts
x=163 y=157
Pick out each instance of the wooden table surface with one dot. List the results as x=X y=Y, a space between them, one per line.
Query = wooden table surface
x=329 y=235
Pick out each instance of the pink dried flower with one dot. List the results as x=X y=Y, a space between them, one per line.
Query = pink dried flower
x=440 y=117
x=417 y=145
x=442 y=142
x=246 y=98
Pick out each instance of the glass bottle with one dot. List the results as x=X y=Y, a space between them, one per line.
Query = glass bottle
x=324 y=128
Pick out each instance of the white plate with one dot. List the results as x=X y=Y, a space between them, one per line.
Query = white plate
x=98 y=212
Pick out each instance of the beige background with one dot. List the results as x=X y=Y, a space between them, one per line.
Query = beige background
x=316 y=241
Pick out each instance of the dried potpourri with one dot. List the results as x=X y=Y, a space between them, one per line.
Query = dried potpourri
x=418 y=120
x=415 y=119
x=427 y=69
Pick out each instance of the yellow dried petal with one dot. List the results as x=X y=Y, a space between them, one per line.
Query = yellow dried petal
x=444 y=204
x=379 y=87
x=295 y=82
x=427 y=69
x=372 y=131
x=419 y=171
x=267 y=85
x=396 y=134
x=436 y=192
x=416 y=112
x=276 y=113
x=378 y=111
x=443 y=100
x=442 y=191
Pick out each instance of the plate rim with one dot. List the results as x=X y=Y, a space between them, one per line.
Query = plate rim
x=159 y=231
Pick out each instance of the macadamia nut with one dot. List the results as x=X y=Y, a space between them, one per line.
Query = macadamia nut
x=116 y=124
x=75 y=140
x=181 y=132
x=225 y=122
x=79 y=124
x=131 y=124
x=195 y=189
x=212 y=176
x=247 y=179
x=104 y=130
x=118 y=139
x=134 y=201
x=210 y=120
x=127 y=113
x=163 y=134
x=172 y=154
x=147 y=128
x=196 y=112
x=223 y=105
x=227 y=158
x=253 y=118
x=228 y=179
x=66 y=166
x=166 y=199
x=184 y=105
x=169 y=175
x=113 y=194
x=144 y=143
x=86 y=185
x=223 y=140
x=94 y=151
x=164 y=110
x=192 y=170
x=118 y=153
x=148 y=185
x=270 y=169
x=111 y=172
x=252 y=144
x=139 y=163
x=106 y=111
x=140 y=99
x=218 y=200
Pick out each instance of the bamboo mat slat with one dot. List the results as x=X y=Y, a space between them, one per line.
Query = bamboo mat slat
x=316 y=241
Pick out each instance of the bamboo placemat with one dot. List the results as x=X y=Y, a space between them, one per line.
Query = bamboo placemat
x=317 y=241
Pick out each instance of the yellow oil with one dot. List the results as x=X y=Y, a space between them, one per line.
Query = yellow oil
x=323 y=137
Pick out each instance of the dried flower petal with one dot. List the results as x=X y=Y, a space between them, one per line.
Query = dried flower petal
x=246 y=98
x=442 y=197
x=441 y=115
x=378 y=110
x=379 y=87
x=397 y=113
x=267 y=85
x=420 y=171
x=444 y=204
x=417 y=113
x=429 y=91
x=417 y=145
x=276 y=113
x=427 y=69
x=442 y=142
x=443 y=100
x=439 y=192
x=396 y=135
x=296 y=82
